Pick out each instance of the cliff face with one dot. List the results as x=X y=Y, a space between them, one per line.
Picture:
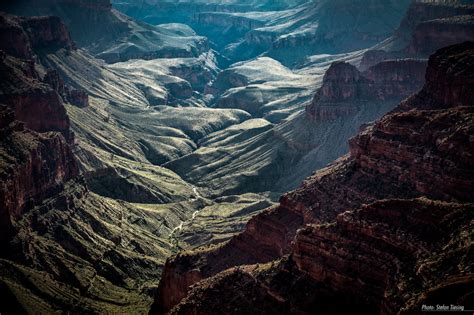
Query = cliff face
x=419 y=12
x=14 y=39
x=35 y=154
x=423 y=148
x=21 y=36
x=426 y=27
x=22 y=88
x=434 y=34
x=22 y=91
x=108 y=34
x=47 y=32
x=345 y=89
x=403 y=247
x=33 y=166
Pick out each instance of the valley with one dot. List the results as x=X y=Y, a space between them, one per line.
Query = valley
x=153 y=151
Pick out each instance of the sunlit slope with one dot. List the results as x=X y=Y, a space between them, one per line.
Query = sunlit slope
x=260 y=156
x=264 y=88
x=111 y=35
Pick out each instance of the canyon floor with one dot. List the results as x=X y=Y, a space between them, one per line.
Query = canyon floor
x=148 y=147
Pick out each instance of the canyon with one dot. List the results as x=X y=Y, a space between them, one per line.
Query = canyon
x=235 y=156
x=354 y=228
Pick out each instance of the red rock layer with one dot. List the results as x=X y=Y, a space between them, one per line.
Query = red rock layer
x=420 y=11
x=387 y=252
x=396 y=79
x=345 y=89
x=33 y=166
x=423 y=148
x=36 y=104
x=13 y=39
x=385 y=257
x=427 y=26
x=432 y=35
x=35 y=158
x=47 y=32
x=21 y=36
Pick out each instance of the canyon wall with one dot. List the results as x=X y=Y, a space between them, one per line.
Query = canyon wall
x=422 y=148
x=36 y=157
x=345 y=89
x=34 y=166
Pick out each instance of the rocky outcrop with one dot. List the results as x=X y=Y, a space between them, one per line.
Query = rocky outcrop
x=106 y=33
x=33 y=166
x=387 y=252
x=21 y=87
x=384 y=249
x=448 y=79
x=395 y=79
x=13 y=39
x=47 y=32
x=35 y=156
x=421 y=11
x=53 y=79
x=22 y=36
x=345 y=89
x=434 y=34
x=25 y=94
x=343 y=85
x=77 y=97
x=381 y=259
x=74 y=96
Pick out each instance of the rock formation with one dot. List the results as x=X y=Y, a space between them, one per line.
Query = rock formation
x=35 y=153
x=107 y=33
x=34 y=166
x=25 y=94
x=426 y=27
x=421 y=11
x=21 y=87
x=345 y=89
x=434 y=34
x=367 y=242
x=78 y=97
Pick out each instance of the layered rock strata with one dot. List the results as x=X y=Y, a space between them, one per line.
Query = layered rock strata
x=426 y=27
x=34 y=166
x=345 y=89
x=422 y=148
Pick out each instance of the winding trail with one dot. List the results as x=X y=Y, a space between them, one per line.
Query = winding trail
x=189 y=221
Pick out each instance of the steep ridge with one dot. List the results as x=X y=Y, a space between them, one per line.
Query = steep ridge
x=422 y=148
x=287 y=31
x=34 y=166
x=64 y=246
x=426 y=27
x=110 y=35
x=277 y=157
x=98 y=242
x=21 y=87
x=345 y=88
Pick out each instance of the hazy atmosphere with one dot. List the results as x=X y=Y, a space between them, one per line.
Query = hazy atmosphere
x=236 y=157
